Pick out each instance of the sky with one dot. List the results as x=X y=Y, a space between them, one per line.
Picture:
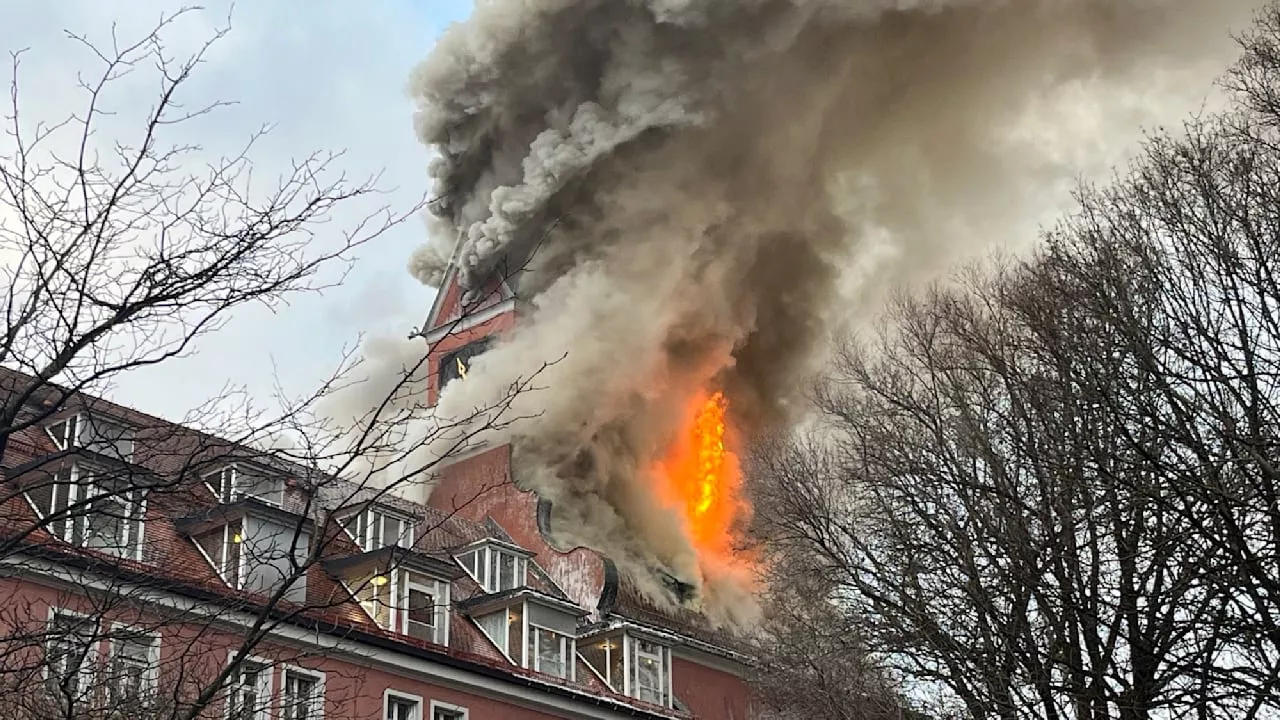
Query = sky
x=328 y=75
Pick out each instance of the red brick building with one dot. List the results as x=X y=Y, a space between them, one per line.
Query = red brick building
x=148 y=569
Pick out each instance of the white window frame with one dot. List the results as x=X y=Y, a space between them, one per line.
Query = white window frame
x=220 y=564
x=152 y=677
x=357 y=527
x=82 y=421
x=319 y=697
x=440 y=593
x=459 y=712
x=397 y=590
x=65 y=443
x=93 y=655
x=81 y=486
x=231 y=490
x=266 y=685
x=388 y=695
x=568 y=655
x=632 y=669
x=485 y=565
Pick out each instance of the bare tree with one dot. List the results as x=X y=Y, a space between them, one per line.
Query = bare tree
x=1049 y=491
x=121 y=251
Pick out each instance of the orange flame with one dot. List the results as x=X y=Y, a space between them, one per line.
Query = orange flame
x=702 y=479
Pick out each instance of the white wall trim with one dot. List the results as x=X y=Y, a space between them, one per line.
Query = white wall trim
x=317 y=675
x=269 y=669
x=390 y=693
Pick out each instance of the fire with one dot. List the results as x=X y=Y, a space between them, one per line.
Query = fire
x=702 y=479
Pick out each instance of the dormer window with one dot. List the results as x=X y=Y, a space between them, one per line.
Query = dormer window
x=401 y=590
x=631 y=664
x=236 y=481
x=375 y=528
x=94 y=433
x=533 y=630
x=496 y=567
x=93 y=511
x=221 y=546
x=409 y=603
x=257 y=548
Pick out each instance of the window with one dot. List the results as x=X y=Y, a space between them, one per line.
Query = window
x=233 y=482
x=375 y=528
x=456 y=364
x=494 y=568
x=70 y=649
x=107 y=438
x=445 y=711
x=421 y=609
x=250 y=692
x=649 y=665
x=65 y=433
x=549 y=651
x=402 y=707
x=303 y=695
x=632 y=666
x=424 y=616
x=222 y=548
x=97 y=434
x=134 y=658
x=88 y=513
x=505 y=628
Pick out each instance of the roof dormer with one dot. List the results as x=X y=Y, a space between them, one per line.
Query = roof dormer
x=252 y=545
x=496 y=565
x=532 y=629
x=95 y=432
x=240 y=479
x=375 y=526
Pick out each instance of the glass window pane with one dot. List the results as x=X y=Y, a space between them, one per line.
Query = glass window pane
x=515 y=626
x=422 y=614
x=375 y=531
x=392 y=530
x=550 y=652
x=300 y=697
x=506 y=571
x=495 y=626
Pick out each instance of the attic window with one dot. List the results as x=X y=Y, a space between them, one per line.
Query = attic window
x=376 y=528
x=221 y=546
x=406 y=602
x=94 y=433
x=233 y=482
x=631 y=665
x=495 y=568
x=533 y=635
x=101 y=513
x=456 y=364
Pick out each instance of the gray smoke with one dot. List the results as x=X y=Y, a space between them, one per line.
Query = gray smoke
x=693 y=193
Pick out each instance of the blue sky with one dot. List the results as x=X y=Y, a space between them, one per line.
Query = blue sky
x=330 y=75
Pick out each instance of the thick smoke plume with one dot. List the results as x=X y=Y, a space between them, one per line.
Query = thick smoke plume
x=695 y=192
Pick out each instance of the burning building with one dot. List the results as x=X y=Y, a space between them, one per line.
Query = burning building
x=658 y=209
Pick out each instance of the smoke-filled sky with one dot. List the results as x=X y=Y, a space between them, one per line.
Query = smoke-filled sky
x=701 y=190
x=331 y=75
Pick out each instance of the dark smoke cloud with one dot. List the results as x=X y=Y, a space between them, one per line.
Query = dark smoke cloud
x=699 y=190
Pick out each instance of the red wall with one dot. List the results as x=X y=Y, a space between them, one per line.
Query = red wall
x=191 y=654
x=711 y=694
